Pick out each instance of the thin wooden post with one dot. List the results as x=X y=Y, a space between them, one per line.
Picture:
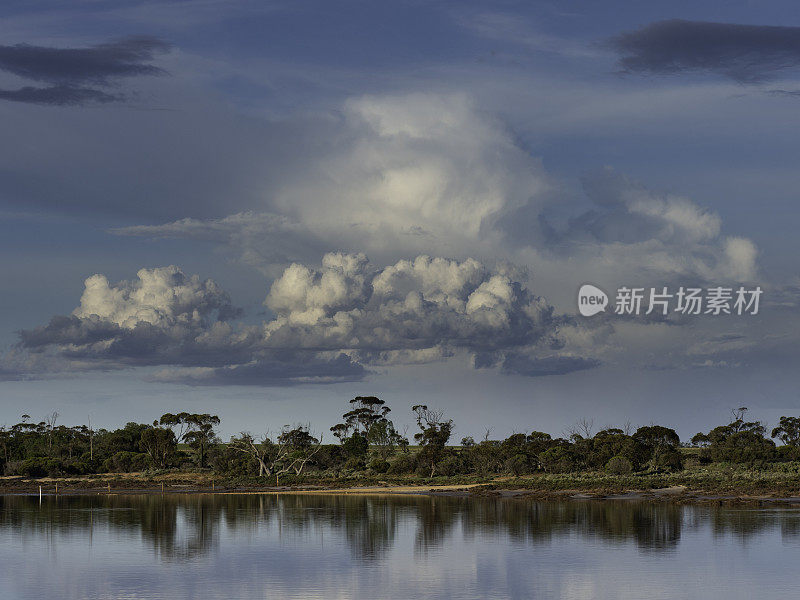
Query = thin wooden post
x=40 y=494
x=56 y=487
x=162 y=487
x=109 y=487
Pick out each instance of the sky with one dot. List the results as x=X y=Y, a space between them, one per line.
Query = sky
x=263 y=209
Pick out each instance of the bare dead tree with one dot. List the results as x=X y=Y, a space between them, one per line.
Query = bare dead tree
x=291 y=451
x=50 y=421
x=738 y=416
x=91 y=438
x=403 y=439
x=586 y=427
x=427 y=417
x=259 y=451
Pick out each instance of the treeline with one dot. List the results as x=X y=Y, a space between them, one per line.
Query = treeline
x=368 y=444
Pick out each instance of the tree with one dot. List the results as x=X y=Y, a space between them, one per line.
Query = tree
x=202 y=435
x=258 y=451
x=356 y=446
x=341 y=431
x=655 y=436
x=291 y=451
x=50 y=423
x=91 y=438
x=159 y=444
x=519 y=456
x=179 y=423
x=197 y=430
x=485 y=456
x=739 y=441
x=520 y=452
x=661 y=444
x=612 y=442
x=125 y=439
x=367 y=410
x=6 y=439
x=582 y=428
x=433 y=437
x=558 y=459
x=370 y=425
x=383 y=436
x=788 y=431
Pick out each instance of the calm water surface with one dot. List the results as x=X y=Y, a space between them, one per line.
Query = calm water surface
x=320 y=546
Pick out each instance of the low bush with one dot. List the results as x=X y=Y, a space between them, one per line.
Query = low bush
x=619 y=465
x=379 y=466
x=127 y=462
x=402 y=464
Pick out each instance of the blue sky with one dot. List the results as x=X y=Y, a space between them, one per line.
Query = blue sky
x=303 y=156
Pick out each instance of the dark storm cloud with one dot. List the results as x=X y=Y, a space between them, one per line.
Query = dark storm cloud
x=96 y=64
x=200 y=356
x=70 y=71
x=59 y=95
x=93 y=340
x=745 y=53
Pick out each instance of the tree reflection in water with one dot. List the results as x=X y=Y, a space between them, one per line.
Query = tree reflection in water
x=180 y=527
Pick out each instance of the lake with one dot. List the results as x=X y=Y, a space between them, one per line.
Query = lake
x=334 y=546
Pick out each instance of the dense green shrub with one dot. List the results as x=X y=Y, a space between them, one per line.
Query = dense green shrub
x=356 y=446
x=127 y=462
x=746 y=447
x=558 y=459
x=788 y=453
x=451 y=464
x=619 y=465
x=35 y=466
x=379 y=466
x=225 y=460
x=613 y=442
x=402 y=464
x=666 y=459
x=484 y=458
x=517 y=464
x=355 y=464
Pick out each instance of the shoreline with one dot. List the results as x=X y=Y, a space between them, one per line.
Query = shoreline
x=129 y=486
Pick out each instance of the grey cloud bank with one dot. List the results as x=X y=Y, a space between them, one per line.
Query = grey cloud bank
x=329 y=324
